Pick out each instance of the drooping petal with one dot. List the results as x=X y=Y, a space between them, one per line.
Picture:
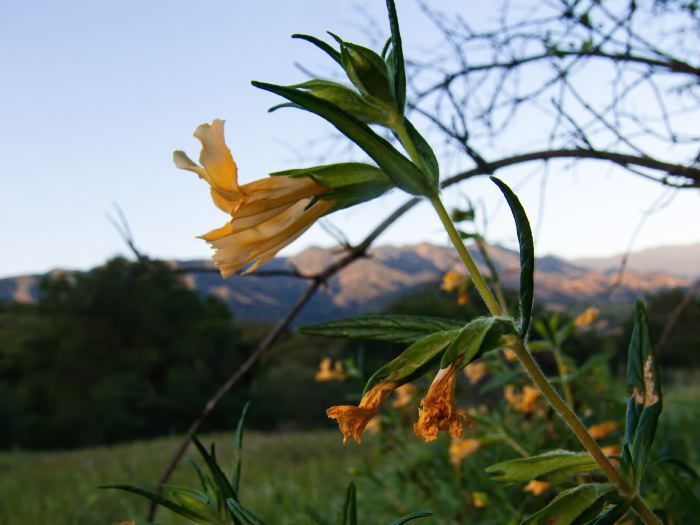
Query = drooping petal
x=215 y=157
x=352 y=420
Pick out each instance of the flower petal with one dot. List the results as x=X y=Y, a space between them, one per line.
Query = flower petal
x=216 y=157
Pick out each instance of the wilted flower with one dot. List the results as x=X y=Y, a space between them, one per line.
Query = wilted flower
x=404 y=395
x=586 y=318
x=525 y=401
x=437 y=409
x=327 y=373
x=475 y=372
x=268 y=214
x=602 y=430
x=537 y=487
x=352 y=420
x=460 y=449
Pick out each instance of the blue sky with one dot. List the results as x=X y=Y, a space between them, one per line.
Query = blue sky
x=96 y=96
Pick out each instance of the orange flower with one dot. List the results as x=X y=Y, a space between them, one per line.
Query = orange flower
x=352 y=420
x=475 y=372
x=268 y=214
x=460 y=449
x=602 y=430
x=451 y=280
x=586 y=318
x=462 y=297
x=537 y=487
x=328 y=373
x=526 y=401
x=510 y=355
x=404 y=395
x=437 y=409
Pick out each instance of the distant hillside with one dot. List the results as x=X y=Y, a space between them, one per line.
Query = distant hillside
x=372 y=283
x=681 y=261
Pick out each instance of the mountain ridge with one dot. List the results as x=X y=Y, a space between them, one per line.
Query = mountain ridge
x=371 y=283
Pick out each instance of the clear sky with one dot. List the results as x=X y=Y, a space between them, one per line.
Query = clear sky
x=95 y=96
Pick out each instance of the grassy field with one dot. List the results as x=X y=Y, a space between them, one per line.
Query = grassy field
x=283 y=475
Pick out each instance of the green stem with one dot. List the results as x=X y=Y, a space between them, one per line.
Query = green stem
x=538 y=377
x=562 y=370
x=476 y=277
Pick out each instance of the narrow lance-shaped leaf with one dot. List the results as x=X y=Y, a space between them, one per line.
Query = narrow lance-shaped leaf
x=429 y=163
x=242 y=514
x=348 y=513
x=396 y=61
x=478 y=336
x=527 y=256
x=334 y=54
x=645 y=404
x=400 y=170
x=160 y=500
x=414 y=361
x=238 y=449
x=389 y=328
x=555 y=463
x=570 y=504
x=411 y=517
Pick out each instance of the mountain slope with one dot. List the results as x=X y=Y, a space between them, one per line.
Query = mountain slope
x=372 y=283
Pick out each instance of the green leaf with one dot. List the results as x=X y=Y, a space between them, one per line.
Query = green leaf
x=502 y=379
x=681 y=487
x=348 y=512
x=339 y=175
x=527 y=256
x=590 y=364
x=645 y=404
x=414 y=361
x=224 y=488
x=237 y=449
x=400 y=170
x=429 y=163
x=390 y=328
x=195 y=501
x=348 y=100
x=610 y=516
x=241 y=513
x=335 y=55
x=368 y=72
x=570 y=504
x=395 y=59
x=556 y=464
x=411 y=517
x=475 y=338
x=160 y=500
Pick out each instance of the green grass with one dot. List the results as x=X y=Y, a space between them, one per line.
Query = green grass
x=283 y=475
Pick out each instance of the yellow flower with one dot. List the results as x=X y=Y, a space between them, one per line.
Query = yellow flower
x=480 y=499
x=460 y=449
x=268 y=214
x=526 y=401
x=475 y=372
x=404 y=395
x=537 y=487
x=462 y=297
x=328 y=373
x=586 y=318
x=437 y=409
x=451 y=280
x=352 y=420
x=602 y=430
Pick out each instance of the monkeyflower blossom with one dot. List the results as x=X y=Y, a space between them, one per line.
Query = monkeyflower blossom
x=602 y=430
x=267 y=214
x=461 y=449
x=437 y=409
x=404 y=395
x=475 y=372
x=525 y=401
x=480 y=499
x=353 y=420
x=326 y=372
x=585 y=319
x=451 y=280
x=537 y=488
